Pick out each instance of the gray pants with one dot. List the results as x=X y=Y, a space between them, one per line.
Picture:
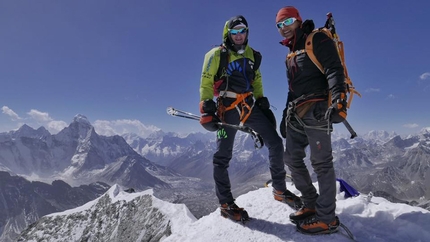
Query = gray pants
x=257 y=121
x=321 y=160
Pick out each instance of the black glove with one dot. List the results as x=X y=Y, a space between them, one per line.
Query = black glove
x=336 y=113
x=209 y=120
x=264 y=105
x=283 y=125
x=208 y=106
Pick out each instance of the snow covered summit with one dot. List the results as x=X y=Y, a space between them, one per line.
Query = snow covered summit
x=122 y=216
x=115 y=216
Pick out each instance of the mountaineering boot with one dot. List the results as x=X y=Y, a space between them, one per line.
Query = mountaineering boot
x=312 y=226
x=233 y=212
x=289 y=198
x=302 y=214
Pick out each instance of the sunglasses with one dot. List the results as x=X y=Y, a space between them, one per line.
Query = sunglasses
x=286 y=22
x=237 y=31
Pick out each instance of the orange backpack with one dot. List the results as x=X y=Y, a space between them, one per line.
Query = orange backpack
x=330 y=31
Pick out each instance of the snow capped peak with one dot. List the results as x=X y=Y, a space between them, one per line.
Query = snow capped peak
x=425 y=130
x=117 y=193
x=115 y=216
x=80 y=126
x=27 y=131
x=25 y=128
x=380 y=136
x=81 y=119
x=114 y=190
x=42 y=129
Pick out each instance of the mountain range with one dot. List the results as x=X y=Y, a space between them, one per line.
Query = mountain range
x=179 y=168
x=78 y=155
x=379 y=162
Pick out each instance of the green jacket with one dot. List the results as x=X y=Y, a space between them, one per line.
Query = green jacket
x=241 y=79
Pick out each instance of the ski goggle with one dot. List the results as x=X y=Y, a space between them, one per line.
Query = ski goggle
x=286 y=22
x=237 y=31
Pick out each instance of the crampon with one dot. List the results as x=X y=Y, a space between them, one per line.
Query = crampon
x=289 y=198
x=235 y=213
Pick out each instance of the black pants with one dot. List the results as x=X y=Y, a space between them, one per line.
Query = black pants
x=257 y=121
x=321 y=159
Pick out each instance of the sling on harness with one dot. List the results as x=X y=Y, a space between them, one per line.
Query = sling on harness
x=292 y=111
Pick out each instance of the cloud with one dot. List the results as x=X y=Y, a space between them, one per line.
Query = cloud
x=56 y=126
x=35 y=119
x=391 y=96
x=372 y=90
x=425 y=76
x=424 y=81
x=123 y=126
x=410 y=126
x=42 y=118
x=39 y=116
x=14 y=116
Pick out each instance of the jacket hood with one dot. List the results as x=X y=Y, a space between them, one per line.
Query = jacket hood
x=229 y=24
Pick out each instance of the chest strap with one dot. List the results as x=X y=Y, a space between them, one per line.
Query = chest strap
x=295 y=53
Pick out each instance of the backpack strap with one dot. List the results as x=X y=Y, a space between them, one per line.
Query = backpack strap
x=221 y=72
x=309 y=47
x=257 y=59
x=295 y=53
x=223 y=62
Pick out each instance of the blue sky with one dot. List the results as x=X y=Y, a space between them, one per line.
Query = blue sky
x=122 y=63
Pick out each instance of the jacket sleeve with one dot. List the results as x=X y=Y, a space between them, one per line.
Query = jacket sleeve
x=209 y=71
x=258 y=82
x=326 y=53
x=257 y=85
